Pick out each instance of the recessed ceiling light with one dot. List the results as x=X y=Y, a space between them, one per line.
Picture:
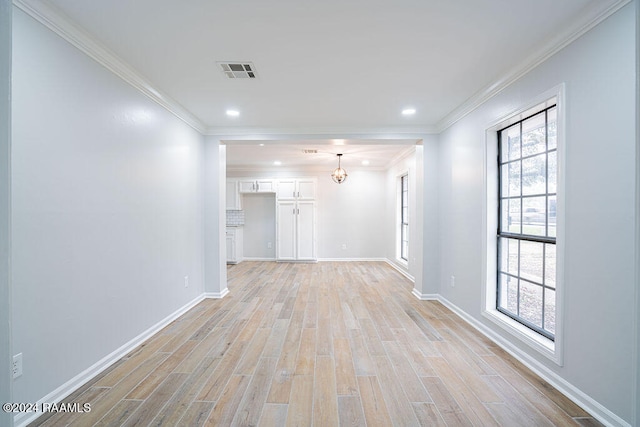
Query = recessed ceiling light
x=408 y=111
x=233 y=113
x=365 y=162
x=277 y=163
x=261 y=145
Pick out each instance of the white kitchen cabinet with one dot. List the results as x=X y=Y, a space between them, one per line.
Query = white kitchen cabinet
x=297 y=189
x=234 y=200
x=234 y=245
x=248 y=185
x=296 y=225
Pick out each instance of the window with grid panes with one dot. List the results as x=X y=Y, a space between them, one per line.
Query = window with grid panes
x=404 y=217
x=527 y=164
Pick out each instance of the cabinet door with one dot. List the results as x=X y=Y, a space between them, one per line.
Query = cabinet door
x=286 y=230
x=306 y=236
x=265 y=186
x=238 y=245
x=286 y=189
x=247 y=186
x=231 y=247
x=233 y=198
x=306 y=189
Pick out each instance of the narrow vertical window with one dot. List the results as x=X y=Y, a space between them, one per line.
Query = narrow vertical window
x=527 y=165
x=404 y=217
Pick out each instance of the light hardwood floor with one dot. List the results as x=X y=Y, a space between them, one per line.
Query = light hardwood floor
x=322 y=344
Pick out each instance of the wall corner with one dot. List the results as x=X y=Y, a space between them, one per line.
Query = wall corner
x=215 y=271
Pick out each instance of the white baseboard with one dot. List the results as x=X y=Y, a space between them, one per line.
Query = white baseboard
x=400 y=270
x=216 y=295
x=82 y=378
x=581 y=399
x=600 y=412
x=425 y=297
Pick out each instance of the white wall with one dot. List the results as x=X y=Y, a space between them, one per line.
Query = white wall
x=352 y=213
x=6 y=419
x=214 y=196
x=107 y=211
x=636 y=396
x=259 y=225
x=405 y=165
x=430 y=276
x=109 y=190
x=598 y=70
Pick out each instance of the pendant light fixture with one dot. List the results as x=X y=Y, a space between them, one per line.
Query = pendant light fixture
x=339 y=175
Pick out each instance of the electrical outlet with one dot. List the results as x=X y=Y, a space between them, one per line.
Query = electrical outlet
x=269 y=245
x=453 y=281
x=16 y=366
x=186 y=281
x=344 y=246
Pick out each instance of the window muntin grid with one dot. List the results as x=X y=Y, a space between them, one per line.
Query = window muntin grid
x=404 y=217
x=527 y=165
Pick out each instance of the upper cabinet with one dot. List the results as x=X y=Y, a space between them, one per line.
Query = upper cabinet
x=248 y=185
x=297 y=189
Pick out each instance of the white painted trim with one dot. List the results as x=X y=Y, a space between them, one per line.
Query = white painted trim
x=401 y=270
x=581 y=399
x=352 y=260
x=425 y=297
x=52 y=19
x=553 y=352
x=216 y=295
x=402 y=156
x=258 y=259
x=577 y=396
x=85 y=376
x=534 y=340
x=586 y=22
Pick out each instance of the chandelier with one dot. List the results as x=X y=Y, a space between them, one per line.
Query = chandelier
x=339 y=175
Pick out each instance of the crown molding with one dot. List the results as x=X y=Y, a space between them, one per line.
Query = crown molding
x=78 y=37
x=61 y=25
x=401 y=156
x=588 y=20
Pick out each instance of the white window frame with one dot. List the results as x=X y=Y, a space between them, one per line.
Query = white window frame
x=403 y=237
x=550 y=349
x=404 y=262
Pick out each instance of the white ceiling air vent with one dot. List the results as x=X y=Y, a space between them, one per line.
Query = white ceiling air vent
x=238 y=70
x=306 y=151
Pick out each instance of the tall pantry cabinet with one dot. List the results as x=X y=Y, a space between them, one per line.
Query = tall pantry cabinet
x=296 y=220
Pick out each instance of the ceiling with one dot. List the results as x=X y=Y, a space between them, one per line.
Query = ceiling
x=330 y=67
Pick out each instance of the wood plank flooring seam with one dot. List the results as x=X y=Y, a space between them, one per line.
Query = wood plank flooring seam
x=319 y=344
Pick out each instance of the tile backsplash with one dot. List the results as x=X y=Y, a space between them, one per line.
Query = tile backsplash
x=235 y=218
